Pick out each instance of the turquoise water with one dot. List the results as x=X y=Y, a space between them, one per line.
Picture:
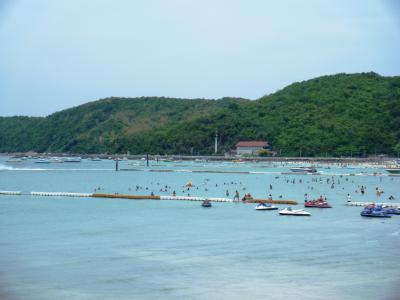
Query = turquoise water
x=86 y=248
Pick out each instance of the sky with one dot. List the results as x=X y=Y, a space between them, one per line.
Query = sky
x=59 y=54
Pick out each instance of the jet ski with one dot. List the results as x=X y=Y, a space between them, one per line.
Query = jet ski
x=263 y=206
x=294 y=212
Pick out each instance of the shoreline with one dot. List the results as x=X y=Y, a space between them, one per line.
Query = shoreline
x=341 y=160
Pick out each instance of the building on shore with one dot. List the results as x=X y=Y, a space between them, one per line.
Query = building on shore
x=251 y=147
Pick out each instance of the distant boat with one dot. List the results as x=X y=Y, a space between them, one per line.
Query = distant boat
x=263 y=206
x=56 y=160
x=367 y=212
x=294 y=212
x=72 y=159
x=14 y=160
x=206 y=203
x=304 y=170
x=394 y=170
x=392 y=211
x=319 y=203
x=43 y=161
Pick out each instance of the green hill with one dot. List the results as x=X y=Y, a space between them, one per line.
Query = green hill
x=96 y=127
x=343 y=114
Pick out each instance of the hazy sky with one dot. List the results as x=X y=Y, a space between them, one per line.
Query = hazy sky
x=56 y=54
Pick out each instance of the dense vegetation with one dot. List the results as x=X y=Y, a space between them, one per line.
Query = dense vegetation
x=343 y=114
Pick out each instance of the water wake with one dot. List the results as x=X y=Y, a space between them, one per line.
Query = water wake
x=10 y=168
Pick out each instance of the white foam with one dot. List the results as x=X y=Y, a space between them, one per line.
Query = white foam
x=9 y=168
x=5 y=168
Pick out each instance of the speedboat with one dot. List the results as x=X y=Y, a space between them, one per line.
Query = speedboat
x=72 y=159
x=394 y=170
x=392 y=211
x=56 y=160
x=263 y=206
x=14 y=160
x=206 y=203
x=380 y=208
x=303 y=170
x=319 y=203
x=42 y=161
x=373 y=213
x=294 y=212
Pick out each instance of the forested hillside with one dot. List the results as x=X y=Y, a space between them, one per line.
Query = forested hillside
x=343 y=114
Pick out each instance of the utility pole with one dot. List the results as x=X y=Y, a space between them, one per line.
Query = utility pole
x=216 y=142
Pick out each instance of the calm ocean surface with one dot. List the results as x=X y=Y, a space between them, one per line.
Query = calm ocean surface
x=87 y=248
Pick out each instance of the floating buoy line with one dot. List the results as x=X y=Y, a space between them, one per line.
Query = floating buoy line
x=184 y=198
x=144 y=197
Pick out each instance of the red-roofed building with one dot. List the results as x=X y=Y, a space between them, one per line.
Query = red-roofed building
x=251 y=147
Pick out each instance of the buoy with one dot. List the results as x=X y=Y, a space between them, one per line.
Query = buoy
x=10 y=193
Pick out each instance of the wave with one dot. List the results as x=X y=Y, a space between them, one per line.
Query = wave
x=10 y=168
x=4 y=167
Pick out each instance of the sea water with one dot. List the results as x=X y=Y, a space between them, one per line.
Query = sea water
x=92 y=248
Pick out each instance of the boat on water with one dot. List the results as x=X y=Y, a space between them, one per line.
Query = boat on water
x=56 y=160
x=14 y=160
x=304 y=170
x=294 y=212
x=206 y=203
x=373 y=213
x=72 y=159
x=263 y=206
x=392 y=211
x=381 y=208
x=318 y=203
x=43 y=161
x=395 y=170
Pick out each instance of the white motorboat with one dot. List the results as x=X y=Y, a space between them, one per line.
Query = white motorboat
x=304 y=170
x=263 y=206
x=56 y=160
x=294 y=212
x=42 y=161
x=14 y=160
x=72 y=159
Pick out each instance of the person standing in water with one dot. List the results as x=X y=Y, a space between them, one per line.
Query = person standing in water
x=236 y=197
x=348 y=198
